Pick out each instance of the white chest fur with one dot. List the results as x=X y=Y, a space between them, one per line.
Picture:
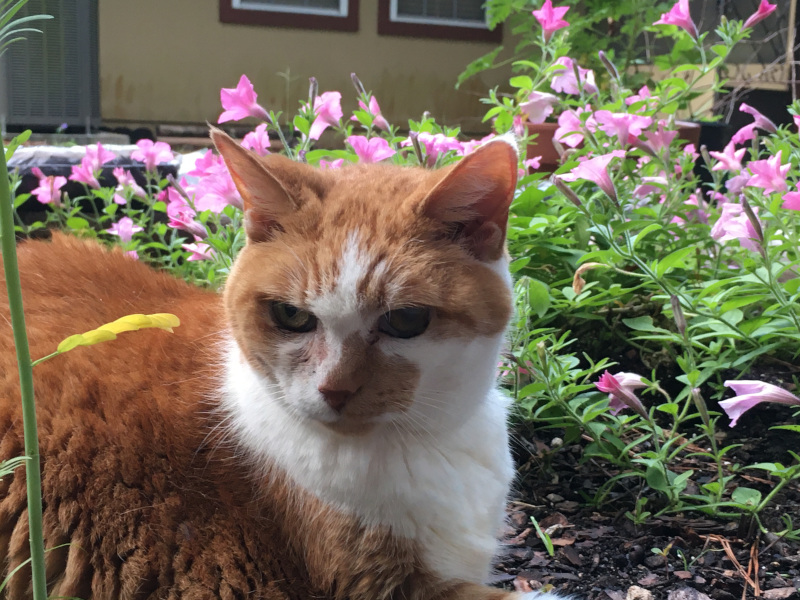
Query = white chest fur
x=444 y=491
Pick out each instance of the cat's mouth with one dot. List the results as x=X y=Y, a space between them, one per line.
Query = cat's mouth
x=351 y=426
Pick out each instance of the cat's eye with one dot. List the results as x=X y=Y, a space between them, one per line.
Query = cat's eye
x=405 y=322
x=291 y=318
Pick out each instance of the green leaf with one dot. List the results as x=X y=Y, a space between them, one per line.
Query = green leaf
x=644 y=233
x=746 y=496
x=795 y=428
x=643 y=323
x=655 y=478
x=479 y=64
x=673 y=259
x=519 y=264
x=521 y=81
x=77 y=223
x=539 y=297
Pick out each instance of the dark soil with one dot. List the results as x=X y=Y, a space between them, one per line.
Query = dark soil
x=599 y=554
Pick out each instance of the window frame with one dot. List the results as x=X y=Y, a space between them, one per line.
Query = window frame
x=238 y=12
x=410 y=28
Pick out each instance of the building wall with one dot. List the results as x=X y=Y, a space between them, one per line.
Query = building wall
x=166 y=60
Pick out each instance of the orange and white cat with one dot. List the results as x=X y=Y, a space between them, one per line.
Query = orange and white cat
x=329 y=428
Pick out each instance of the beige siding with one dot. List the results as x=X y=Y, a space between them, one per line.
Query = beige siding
x=165 y=61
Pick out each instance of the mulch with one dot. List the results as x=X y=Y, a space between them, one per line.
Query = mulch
x=600 y=554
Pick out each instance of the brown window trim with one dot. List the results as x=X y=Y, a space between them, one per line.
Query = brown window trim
x=244 y=16
x=388 y=27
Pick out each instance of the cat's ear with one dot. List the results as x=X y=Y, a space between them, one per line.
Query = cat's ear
x=265 y=197
x=474 y=196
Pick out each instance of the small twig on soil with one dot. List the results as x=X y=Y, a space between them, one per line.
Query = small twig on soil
x=726 y=546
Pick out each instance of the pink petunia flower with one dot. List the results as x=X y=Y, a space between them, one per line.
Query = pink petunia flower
x=240 y=102
x=679 y=15
x=125 y=181
x=791 y=200
x=181 y=215
x=729 y=159
x=470 y=146
x=375 y=110
x=764 y=10
x=132 y=254
x=200 y=251
x=328 y=111
x=206 y=164
x=622 y=125
x=620 y=388
x=436 y=144
x=326 y=165
x=769 y=174
x=550 y=18
x=85 y=173
x=97 y=156
x=733 y=224
x=258 y=140
x=125 y=229
x=565 y=80
x=48 y=191
x=571 y=127
x=538 y=106
x=532 y=163
x=370 y=150
x=744 y=135
x=152 y=153
x=643 y=95
x=761 y=121
x=596 y=170
x=750 y=393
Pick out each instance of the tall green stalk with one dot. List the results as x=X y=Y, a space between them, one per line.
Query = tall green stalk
x=32 y=468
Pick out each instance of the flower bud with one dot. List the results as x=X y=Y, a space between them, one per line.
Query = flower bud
x=612 y=70
x=313 y=91
x=358 y=85
x=567 y=191
x=413 y=136
x=677 y=314
x=700 y=403
x=751 y=216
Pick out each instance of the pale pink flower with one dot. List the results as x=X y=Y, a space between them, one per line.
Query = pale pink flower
x=729 y=159
x=769 y=174
x=327 y=111
x=735 y=185
x=745 y=134
x=181 y=215
x=643 y=95
x=370 y=150
x=622 y=125
x=764 y=10
x=791 y=200
x=49 y=188
x=125 y=181
x=538 y=106
x=661 y=138
x=796 y=119
x=97 y=156
x=679 y=15
x=733 y=224
x=750 y=393
x=119 y=199
x=125 y=229
x=550 y=18
x=84 y=173
x=331 y=164
x=566 y=82
x=435 y=144
x=240 y=102
x=206 y=164
x=152 y=153
x=650 y=186
x=470 y=146
x=215 y=191
x=570 y=126
x=532 y=163
x=620 y=392
x=200 y=251
x=761 y=121
x=596 y=170
x=691 y=151
x=132 y=254
x=258 y=140
x=375 y=110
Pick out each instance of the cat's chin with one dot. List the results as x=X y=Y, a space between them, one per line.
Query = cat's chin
x=351 y=427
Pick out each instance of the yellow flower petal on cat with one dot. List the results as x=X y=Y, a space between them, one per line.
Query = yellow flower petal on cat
x=109 y=331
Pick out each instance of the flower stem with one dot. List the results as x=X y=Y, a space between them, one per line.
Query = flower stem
x=32 y=467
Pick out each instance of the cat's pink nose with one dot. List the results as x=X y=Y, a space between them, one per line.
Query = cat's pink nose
x=336 y=399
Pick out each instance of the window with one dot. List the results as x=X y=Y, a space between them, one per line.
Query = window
x=335 y=15
x=454 y=19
